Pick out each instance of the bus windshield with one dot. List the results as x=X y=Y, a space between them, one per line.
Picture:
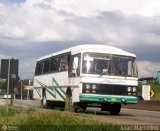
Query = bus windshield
x=106 y=64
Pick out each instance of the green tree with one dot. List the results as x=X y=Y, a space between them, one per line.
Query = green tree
x=3 y=85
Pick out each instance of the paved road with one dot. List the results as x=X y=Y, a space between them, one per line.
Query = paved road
x=22 y=103
x=130 y=116
x=127 y=116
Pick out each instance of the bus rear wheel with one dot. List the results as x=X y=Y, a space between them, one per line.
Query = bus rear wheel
x=105 y=107
x=115 y=109
x=80 y=107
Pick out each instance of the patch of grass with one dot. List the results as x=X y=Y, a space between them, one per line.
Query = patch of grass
x=3 y=112
x=43 y=119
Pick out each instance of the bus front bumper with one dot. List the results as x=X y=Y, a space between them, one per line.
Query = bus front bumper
x=109 y=99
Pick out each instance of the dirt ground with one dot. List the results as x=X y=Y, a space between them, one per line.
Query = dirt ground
x=145 y=105
x=120 y=120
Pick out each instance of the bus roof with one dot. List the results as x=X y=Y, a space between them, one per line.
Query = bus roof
x=91 y=48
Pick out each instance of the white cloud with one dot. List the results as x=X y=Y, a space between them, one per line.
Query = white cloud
x=122 y=23
x=59 y=20
x=3 y=56
x=91 y=7
x=148 y=68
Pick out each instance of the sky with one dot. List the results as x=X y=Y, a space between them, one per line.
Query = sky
x=30 y=29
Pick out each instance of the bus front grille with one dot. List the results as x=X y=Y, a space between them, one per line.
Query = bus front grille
x=105 y=89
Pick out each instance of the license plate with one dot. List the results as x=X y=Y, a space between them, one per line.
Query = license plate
x=113 y=99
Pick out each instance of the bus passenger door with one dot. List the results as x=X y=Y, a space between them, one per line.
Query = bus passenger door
x=74 y=76
x=74 y=69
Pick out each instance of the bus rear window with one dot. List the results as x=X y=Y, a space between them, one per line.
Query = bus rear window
x=55 y=62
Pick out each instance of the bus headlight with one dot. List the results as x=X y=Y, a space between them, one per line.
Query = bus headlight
x=134 y=89
x=129 y=89
x=88 y=86
x=94 y=87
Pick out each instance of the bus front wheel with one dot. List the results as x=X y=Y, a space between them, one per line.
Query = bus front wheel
x=115 y=109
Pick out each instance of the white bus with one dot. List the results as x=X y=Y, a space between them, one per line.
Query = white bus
x=90 y=74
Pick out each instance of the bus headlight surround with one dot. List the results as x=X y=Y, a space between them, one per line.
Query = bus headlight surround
x=88 y=86
x=134 y=89
x=94 y=87
x=129 y=89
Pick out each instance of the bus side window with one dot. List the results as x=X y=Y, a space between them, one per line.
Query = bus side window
x=54 y=67
x=39 y=67
x=46 y=66
x=74 y=70
x=64 y=63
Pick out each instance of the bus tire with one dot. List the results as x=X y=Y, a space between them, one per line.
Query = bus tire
x=80 y=107
x=75 y=107
x=115 y=109
x=105 y=107
x=84 y=107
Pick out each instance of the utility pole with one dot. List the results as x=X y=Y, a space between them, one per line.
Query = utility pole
x=13 y=77
x=8 y=86
x=21 y=89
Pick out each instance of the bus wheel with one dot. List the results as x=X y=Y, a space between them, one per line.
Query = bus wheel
x=105 y=107
x=84 y=107
x=76 y=109
x=115 y=109
x=80 y=107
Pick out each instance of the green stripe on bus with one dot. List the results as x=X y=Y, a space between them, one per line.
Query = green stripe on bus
x=38 y=92
x=60 y=94
x=47 y=89
x=108 y=98
x=43 y=85
x=58 y=86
